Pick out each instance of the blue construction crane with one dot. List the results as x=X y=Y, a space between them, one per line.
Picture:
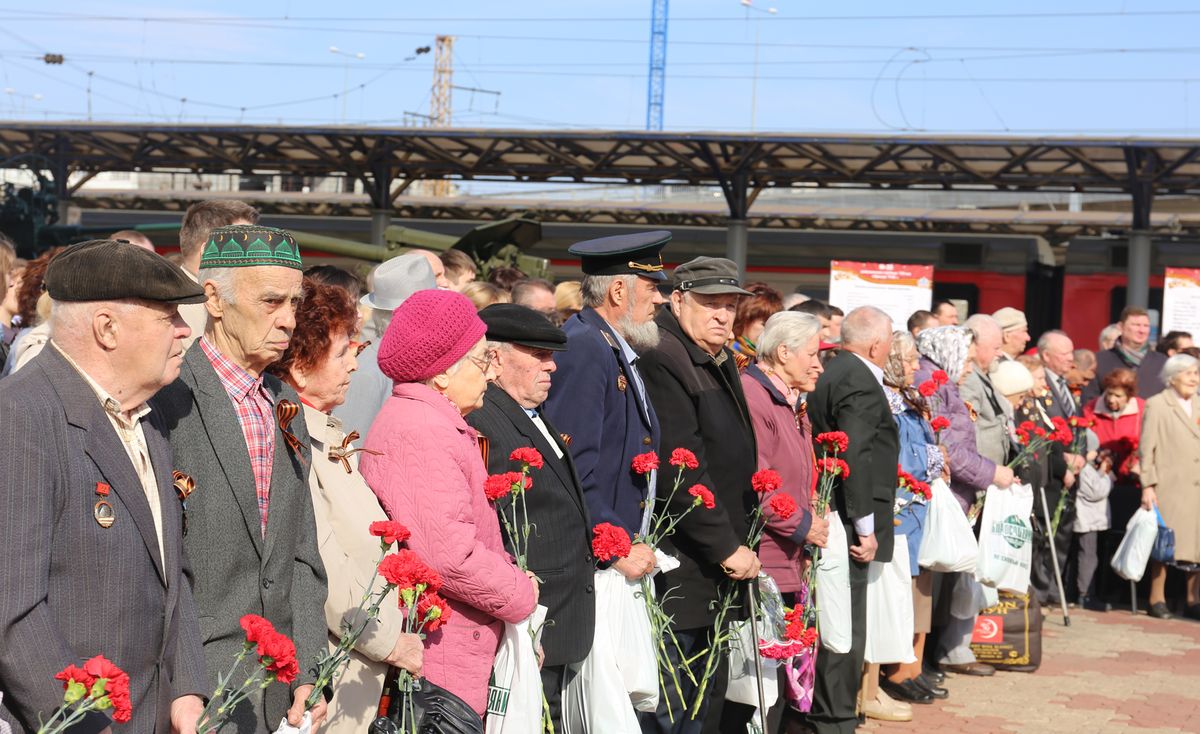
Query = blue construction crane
x=658 y=66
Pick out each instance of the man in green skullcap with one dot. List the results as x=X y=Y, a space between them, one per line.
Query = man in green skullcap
x=249 y=527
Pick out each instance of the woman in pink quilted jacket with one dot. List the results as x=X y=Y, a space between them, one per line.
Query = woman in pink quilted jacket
x=429 y=475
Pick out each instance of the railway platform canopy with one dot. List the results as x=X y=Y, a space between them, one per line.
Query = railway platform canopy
x=388 y=161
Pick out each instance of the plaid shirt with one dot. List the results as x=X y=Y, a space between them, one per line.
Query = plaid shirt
x=256 y=414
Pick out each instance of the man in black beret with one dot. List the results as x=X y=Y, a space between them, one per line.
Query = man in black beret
x=88 y=466
x=523 y=343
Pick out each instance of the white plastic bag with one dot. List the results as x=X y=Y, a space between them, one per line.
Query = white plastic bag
x=890 y=609
x=833 y=589
x=515 y=693
x=949 y=543
x=283 y=728
x=620 y=674
x=1134 y=552
x=743 y=687
x=1006 y=539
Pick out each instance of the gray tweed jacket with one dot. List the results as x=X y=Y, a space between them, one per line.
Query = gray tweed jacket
x=236 y=570
x=69 y=588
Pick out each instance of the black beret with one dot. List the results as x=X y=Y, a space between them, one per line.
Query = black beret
x=624 y=254
x=108 y=270
x=508 y=322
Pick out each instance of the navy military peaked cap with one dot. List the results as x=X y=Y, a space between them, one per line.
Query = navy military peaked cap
x=624 y=254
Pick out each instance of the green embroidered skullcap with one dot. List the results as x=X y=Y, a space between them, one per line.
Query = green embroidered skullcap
x=249 y=246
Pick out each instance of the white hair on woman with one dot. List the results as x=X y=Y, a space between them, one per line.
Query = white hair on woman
x=790 y=329
x=1177 y=365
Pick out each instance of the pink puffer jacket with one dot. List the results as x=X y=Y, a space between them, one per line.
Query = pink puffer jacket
x=430 y=477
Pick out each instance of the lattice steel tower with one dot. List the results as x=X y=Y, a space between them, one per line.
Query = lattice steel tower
x=658 y=66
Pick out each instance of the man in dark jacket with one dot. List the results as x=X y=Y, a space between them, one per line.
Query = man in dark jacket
x=598 y=397
x=524 y=344
x=94 y=563
x=1132 y=351
x=849 y=398
x=692 y=379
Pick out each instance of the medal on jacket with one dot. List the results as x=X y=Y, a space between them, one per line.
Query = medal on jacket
x=103 y=511
x=622 y=383
x=184 y=486
x=566 y=438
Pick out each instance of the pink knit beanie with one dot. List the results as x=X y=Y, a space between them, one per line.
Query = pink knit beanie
x=429 y=332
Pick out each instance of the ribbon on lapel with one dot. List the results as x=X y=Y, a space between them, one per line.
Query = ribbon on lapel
x=184 y=486
x=485 y=445
x=286 y=411
x=344 y=452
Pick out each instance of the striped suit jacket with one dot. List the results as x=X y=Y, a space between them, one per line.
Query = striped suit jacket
x=71 y=589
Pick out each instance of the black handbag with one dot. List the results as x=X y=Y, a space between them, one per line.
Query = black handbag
x=436 y=710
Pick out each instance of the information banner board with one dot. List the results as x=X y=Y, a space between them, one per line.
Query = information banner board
x=896 y=289
x=1181 y=301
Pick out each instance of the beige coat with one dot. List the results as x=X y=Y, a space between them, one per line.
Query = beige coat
x=344 y=507
x=1170 y=456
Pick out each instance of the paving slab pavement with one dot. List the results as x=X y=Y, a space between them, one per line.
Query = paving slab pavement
x=1107 y=672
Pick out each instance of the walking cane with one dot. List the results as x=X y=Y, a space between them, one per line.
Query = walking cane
x=1062 y=597
x=758 y=672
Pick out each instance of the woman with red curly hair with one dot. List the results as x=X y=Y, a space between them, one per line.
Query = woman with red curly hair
x=318 y=363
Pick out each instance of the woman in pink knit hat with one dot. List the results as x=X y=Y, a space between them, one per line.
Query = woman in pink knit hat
x=429 y=475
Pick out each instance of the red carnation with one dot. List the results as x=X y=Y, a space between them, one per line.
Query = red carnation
x=256 y=628
x=927 y=388
x=703 y=496
x=1040 y=432
x=433 y=611
x=116 y=687
x=809 y=637
x=939 y=424
x=500 y=485
x=390 y=531
x=610 y=541
x=528 y=455
x=1062 y=431
x=645 y=463
x=684 y=458
x=405 y=570
x=833 y=441
x=783 y=505
x=73 y=673
x=940 y=377
x=766 y=480
x=277 y=655
x=836 y=467
x=921 y=489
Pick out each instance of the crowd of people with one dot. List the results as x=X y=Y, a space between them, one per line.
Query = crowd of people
x=195 y=440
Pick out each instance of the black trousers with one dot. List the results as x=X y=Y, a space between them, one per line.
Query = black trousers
x=709 y=720
x=554 y=679
x=1042 y=569
x=839 y=677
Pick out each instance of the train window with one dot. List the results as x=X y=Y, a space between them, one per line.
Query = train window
x=1117 y=303
x=1118 y=256
x=968 y=254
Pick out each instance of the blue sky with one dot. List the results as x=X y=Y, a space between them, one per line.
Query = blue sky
x=583 y=64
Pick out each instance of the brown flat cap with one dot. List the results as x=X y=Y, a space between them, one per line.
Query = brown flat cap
x=108 y=270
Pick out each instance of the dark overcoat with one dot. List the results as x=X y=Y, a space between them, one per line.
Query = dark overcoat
x=594 y=400
x=701 y=407
x=560 y=548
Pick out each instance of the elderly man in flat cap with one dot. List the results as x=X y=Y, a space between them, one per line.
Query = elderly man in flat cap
x=693 y=381
x=523 y=343
x=94 y=557
x=1015 y=330
x=249 y=523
